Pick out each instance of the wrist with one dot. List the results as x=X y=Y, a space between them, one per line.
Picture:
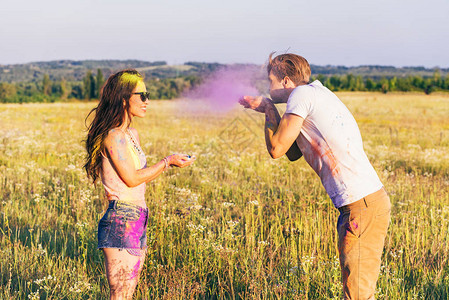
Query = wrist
x=264 y=102
x=166 y=162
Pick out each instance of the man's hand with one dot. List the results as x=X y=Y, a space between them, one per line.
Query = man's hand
x=255 y=103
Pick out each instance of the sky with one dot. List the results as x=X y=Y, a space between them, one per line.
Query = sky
x=328 y=32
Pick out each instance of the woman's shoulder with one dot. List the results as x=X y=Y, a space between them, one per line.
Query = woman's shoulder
x=115 y=135
x=135 y=133
x=133 y=130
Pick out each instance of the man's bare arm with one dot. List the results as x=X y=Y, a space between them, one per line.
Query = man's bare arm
x=272 y=120
x=294 y=153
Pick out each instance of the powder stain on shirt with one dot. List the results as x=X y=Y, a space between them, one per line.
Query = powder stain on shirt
x=326 y=155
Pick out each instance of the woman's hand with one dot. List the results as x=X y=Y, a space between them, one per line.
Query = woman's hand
x=255 y=103
x=180 y=160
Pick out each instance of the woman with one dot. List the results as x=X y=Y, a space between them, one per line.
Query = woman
x=114 y=154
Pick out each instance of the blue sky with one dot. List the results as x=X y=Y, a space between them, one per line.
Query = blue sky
x=351 y=33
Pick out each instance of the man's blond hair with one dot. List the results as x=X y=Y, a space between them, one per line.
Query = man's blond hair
x=292 y=65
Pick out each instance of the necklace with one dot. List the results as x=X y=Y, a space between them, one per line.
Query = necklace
x=134 y=142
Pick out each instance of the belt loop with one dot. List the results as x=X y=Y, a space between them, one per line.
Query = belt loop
x=366 y=203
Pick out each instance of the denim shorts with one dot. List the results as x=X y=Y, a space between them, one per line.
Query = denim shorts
x=123 y=226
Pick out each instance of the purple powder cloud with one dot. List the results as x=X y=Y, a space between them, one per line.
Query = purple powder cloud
x=222 y=89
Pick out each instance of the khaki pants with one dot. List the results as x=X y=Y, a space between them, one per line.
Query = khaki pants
x=362 y=228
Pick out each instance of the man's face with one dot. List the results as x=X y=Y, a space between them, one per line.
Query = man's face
x=280 y=89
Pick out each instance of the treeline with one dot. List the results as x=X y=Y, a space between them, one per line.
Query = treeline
x=350 y=82
x=68 y=69
x=47 y=90
x=89 y=88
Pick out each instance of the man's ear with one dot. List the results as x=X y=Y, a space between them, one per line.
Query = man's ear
x=287 y=82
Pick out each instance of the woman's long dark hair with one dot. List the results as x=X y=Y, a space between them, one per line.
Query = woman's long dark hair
x=109 y=114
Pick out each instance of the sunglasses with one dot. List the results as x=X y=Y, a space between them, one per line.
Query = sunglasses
x=144 y=96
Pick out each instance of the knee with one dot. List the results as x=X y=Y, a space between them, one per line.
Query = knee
x=116 y=292
x=121 y=291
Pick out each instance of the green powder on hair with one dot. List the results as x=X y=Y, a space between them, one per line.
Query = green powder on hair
x=130 y=79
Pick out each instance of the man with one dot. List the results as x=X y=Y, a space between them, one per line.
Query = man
x=329 y=139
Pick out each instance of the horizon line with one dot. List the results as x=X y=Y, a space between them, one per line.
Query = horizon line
x=216 y=62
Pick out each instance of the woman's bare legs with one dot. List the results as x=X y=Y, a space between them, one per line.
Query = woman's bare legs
x=123 y=271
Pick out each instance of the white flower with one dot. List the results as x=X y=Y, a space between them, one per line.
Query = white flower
x=196 y=228
x=70 y=167
x=196 y=207
x=221 y=249
x=34 y=296
x=254 y=202
x=36 y=198
x=81 y=224
x=263 y=243
x=40 y=251
x=232 y=224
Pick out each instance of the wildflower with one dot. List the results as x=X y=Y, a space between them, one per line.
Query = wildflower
x=196 y=207
x=224 y=250
x=254 y=202
x=196 y=228
x=70 y=167
x=35 y=295
x=81 y=224
x=36 y=198
x=232 y=224
x=41 y=251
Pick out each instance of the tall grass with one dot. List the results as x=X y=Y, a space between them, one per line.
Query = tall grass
x=234 y=225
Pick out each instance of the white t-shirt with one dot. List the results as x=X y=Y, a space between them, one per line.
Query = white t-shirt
x=331 y=143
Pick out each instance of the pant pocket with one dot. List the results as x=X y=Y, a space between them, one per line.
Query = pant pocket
x=348 y=226
x=349 y=223
x=354 y=223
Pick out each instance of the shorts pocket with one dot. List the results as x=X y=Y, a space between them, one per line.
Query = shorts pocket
x=104 y=228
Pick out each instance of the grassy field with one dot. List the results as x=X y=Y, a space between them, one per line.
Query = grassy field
x=237 y=224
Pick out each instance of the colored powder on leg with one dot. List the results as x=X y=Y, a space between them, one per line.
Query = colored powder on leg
x=135 y=270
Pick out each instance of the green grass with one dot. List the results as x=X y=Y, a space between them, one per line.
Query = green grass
x=234 y=225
